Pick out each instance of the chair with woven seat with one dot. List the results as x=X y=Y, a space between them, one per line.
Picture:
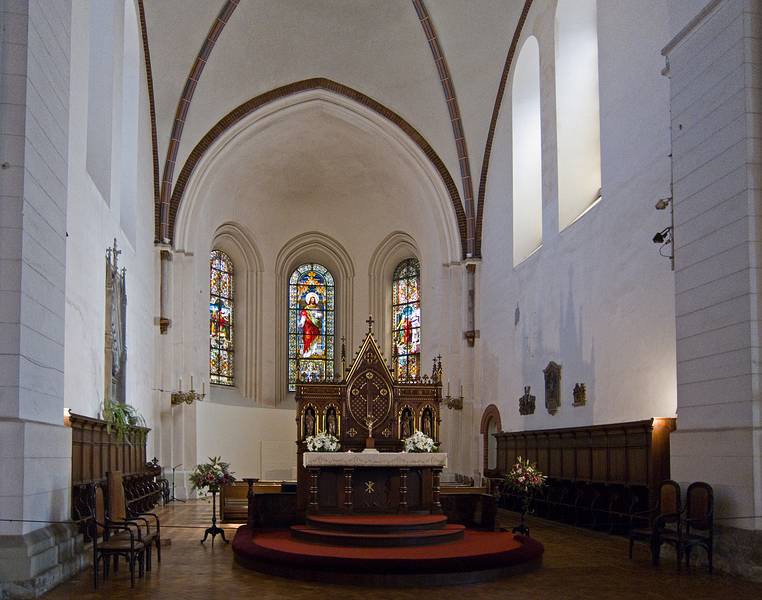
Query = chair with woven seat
x=698 y=525
x=118 y=540
x=662 y=521
x=119 y=511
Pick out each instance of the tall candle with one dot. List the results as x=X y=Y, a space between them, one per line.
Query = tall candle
x=191 y=383
x=180 y=385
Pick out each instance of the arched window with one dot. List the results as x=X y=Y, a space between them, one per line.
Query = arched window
x=577 y=109
x=310 y=324
x=406 y=319
x=527 y=152
x=220 y=318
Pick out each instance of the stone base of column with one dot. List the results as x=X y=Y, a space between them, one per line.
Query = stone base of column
x=34 y=563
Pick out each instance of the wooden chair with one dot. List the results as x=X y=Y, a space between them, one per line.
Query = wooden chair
x=119 y=511
x=698 y=528
x=660 y=518
x=118 y=539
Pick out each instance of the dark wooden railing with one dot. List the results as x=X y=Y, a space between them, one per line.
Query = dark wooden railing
x=597 y=475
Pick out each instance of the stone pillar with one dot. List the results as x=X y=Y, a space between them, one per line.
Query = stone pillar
x=714 y=69
x=35 y=447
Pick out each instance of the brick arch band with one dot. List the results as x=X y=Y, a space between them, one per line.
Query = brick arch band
x=491 y=413
x=318 y=83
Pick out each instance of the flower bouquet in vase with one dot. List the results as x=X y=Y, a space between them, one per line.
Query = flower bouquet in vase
x=526 y=479
x=211 y=477
x=322 y=442
x=420 y=442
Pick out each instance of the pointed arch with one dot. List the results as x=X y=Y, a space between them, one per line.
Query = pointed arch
x=310 y=247
x=229 y=121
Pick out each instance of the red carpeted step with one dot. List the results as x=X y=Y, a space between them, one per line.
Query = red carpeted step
x=377 y=523
x=479 y=556
x=388 y=539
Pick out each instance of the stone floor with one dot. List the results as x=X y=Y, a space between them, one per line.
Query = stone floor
x=577 y=564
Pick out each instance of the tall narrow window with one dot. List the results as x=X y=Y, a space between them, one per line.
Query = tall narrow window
x=527 y=152
x=577 y=109
x=220 y=318
x=310 y=324
x=406 y=319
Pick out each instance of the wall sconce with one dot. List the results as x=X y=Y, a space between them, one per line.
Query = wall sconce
x=181 y=397
x=665 y=237
x=454 y=402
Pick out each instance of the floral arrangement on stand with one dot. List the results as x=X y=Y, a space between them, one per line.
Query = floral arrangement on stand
x=420 y=442
x=526 y=479
x=212 y=475
x=323 y=442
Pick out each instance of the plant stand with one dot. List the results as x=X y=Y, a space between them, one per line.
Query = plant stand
x=214 y=530
x=522 y=527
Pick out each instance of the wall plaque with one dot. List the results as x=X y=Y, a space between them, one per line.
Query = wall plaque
x=552 y=387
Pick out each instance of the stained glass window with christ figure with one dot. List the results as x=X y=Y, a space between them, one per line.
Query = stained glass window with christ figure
x=220 y=318
x=406 y=319
x=310 y=324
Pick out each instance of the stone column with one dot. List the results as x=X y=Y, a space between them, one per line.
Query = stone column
x=35 y=447
x=714 y=68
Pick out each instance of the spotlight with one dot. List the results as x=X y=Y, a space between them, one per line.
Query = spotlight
x=663 y=236
x=662 y=203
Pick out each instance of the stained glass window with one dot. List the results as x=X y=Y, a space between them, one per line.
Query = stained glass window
x=406 y=319
x=310 y=324
x=220 y=318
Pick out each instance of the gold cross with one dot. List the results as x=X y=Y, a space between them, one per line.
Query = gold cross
x=370 y=487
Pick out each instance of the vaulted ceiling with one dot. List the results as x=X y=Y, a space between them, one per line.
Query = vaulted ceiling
x=208 y=57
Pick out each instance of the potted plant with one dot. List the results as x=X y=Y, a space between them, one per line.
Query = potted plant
x=420 y=442
x=323 y=442
x=526 y=479
x=121 y=418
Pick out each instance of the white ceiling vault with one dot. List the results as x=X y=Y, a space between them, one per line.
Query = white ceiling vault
x=376 y=48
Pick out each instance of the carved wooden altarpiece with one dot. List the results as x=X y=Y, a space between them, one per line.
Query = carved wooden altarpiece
x=368 y=407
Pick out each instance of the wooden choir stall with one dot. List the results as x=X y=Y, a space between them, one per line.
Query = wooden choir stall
x=371 y=414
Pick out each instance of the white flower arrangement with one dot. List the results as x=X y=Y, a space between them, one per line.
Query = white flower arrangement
x=420 y=442
x=323 y=442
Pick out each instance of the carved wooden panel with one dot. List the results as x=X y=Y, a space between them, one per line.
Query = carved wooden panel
x=635 y=453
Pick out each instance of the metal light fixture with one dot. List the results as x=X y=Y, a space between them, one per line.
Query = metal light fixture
x=665 y=237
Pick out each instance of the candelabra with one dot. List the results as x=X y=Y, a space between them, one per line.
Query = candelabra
x=454 y=402
x=180 y=397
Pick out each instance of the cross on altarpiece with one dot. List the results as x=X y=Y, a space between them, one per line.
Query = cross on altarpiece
x=370 y=322
x=369 y=420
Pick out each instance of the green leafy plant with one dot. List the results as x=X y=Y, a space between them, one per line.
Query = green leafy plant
x=121 y=418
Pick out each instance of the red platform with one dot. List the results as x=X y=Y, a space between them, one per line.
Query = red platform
x=340 y=552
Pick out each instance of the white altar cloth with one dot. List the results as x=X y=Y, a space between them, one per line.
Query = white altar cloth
x=373 y=459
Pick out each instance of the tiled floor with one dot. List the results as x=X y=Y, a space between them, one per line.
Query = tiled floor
x=577 y=564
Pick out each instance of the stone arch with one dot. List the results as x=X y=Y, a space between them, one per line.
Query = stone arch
x=236 y=241
x=311 y=246
x=394 y=248
x=225 y=126
x=490 y=416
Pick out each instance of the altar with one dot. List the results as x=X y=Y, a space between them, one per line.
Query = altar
x=368 y=408
x=374 y=482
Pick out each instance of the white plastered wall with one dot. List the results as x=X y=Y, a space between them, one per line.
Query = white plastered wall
x=596 y=298
x=92 y=226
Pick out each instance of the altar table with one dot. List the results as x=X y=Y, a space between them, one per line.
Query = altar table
x=374 y=482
